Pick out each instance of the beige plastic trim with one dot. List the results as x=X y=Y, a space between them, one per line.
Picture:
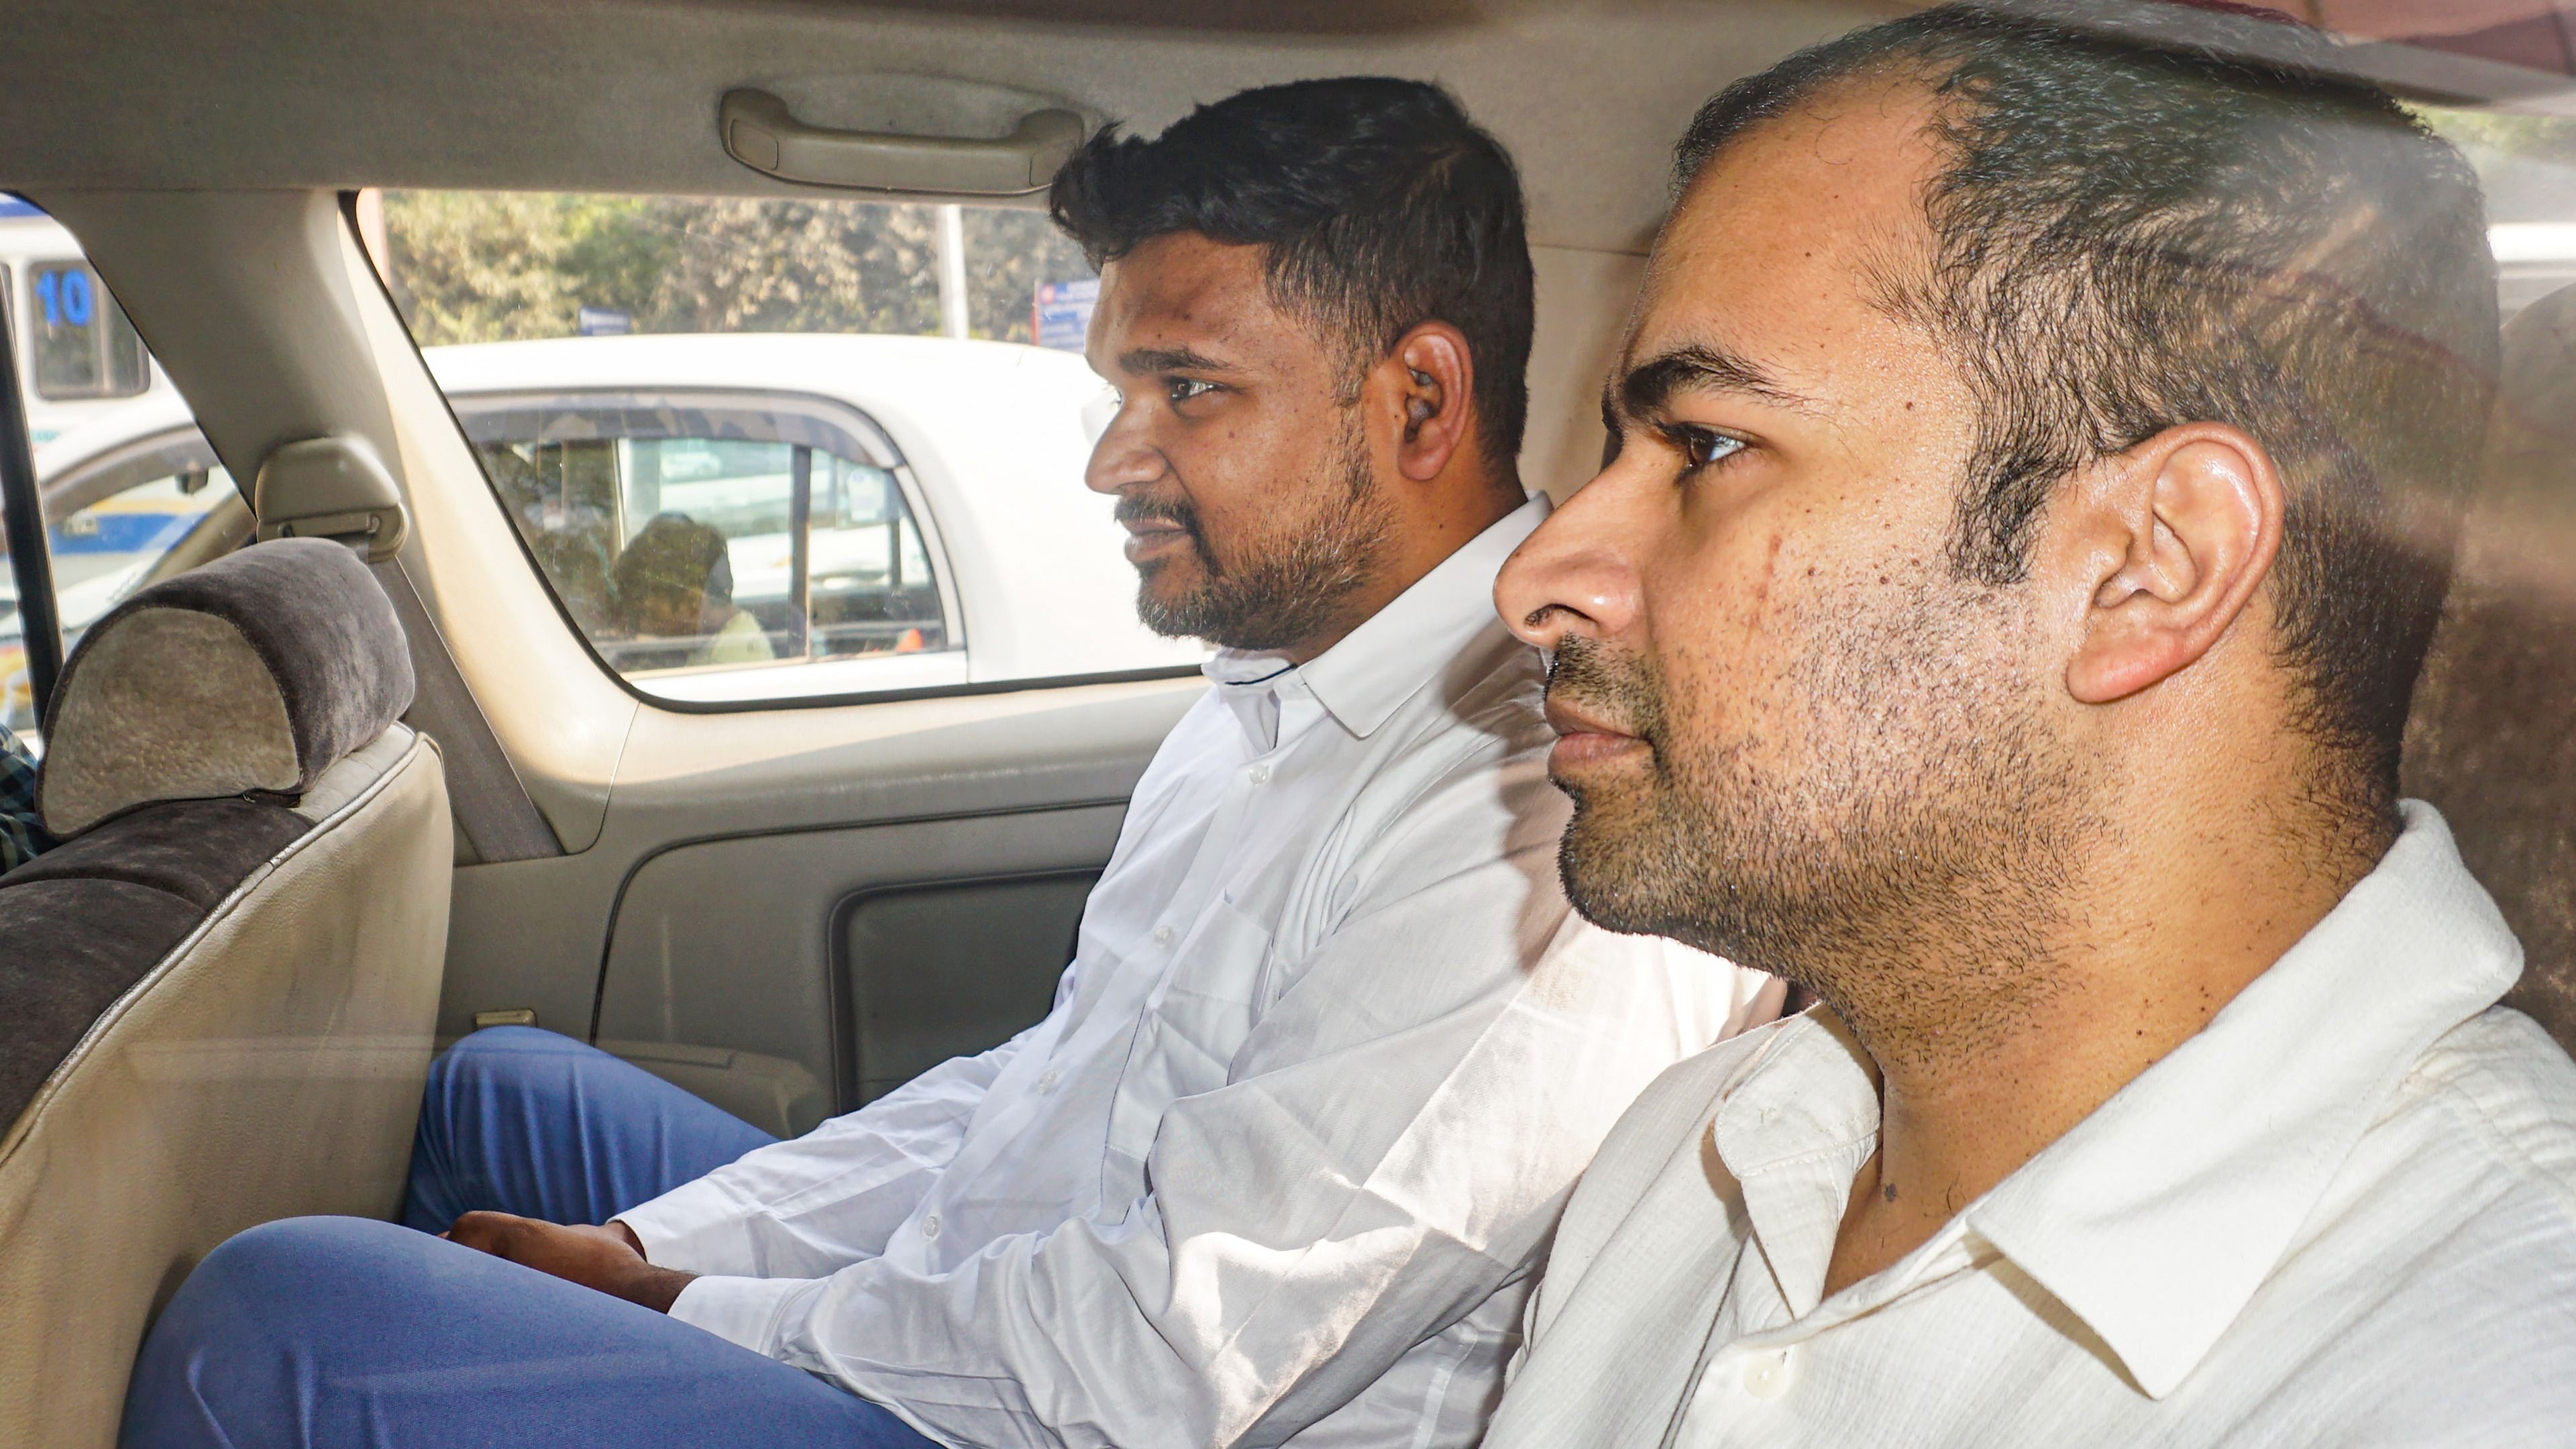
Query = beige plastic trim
x=330 y=488
x=761 y=133
x=561 y=719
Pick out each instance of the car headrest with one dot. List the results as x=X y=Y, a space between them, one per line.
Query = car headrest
x=250 y=674
x=2489 y=741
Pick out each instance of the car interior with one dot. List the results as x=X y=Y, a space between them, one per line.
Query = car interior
x=329 y=804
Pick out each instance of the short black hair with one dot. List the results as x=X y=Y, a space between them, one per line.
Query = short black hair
x=1381 y=206
x=2129 y=236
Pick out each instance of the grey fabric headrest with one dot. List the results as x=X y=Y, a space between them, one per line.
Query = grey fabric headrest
x=256 y=672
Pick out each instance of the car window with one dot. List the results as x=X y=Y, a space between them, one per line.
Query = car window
x=775 y=449
x=692 y=539
x=79 y=357
x=115 y=522
x=132 y=492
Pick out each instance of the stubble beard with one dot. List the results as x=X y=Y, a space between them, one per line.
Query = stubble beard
x=1290 y=585
x=1912 y=871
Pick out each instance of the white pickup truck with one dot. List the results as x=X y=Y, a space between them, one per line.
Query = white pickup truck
x=888 y=512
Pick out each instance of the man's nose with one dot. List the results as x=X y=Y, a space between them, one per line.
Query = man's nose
x=1125 y=456
x=1575 y=575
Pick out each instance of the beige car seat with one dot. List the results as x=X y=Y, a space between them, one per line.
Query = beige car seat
x=2492 y=740
x=217 y=995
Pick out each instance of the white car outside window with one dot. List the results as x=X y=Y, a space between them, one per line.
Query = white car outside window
x=726 y=519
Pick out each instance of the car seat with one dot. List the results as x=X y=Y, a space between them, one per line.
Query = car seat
x=2492 y=740
x=217 y=995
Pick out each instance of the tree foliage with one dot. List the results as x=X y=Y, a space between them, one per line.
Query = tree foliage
x=498 y=266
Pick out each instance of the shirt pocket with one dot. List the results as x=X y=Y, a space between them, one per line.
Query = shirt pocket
x=1195 y=1025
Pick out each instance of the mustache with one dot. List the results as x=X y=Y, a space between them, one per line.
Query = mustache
x=1612 y=685
x=1139 y=508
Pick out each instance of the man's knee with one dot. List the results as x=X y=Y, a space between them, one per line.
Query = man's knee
x=502 y=1056
x=273 y=1266
x=234 y=1350
x=258 y=1288
x=503 y=1068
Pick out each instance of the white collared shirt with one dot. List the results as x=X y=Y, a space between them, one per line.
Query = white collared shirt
x=1283 y=1158
x=2344 y=1213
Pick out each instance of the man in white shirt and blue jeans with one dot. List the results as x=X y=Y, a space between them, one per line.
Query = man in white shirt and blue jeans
x=2001 y=620
x=1281 y=1163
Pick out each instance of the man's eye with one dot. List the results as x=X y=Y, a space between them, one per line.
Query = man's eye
x=1702 y=446
x=1185 y=388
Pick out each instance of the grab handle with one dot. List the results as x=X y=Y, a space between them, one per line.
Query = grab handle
x=760 y=133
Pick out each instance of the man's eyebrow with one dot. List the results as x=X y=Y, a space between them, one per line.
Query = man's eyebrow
x=1148 y=360
x=1650 y=385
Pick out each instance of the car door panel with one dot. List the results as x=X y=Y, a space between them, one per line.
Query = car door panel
x=771 y=915
x=730 y=944
x=934 y=971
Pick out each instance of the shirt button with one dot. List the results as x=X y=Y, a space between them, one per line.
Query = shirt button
x=1162 y=935
x=1767 y=1375
x=1260 y=774
x=1046 y=1083
x=930 y=1226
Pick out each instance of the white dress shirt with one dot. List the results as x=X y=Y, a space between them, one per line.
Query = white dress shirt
x=2343 y=1213
x=1281 y=1161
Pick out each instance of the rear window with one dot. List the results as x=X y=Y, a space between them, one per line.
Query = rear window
x=768 y=449
x=132 y=493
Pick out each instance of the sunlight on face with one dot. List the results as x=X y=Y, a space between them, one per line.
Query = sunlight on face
x=1792 y=726
x=1239 y=465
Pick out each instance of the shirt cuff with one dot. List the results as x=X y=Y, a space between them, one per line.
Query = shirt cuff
x=697 y=1227
x=747 y=1311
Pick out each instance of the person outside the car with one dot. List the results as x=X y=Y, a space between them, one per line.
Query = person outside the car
x=674 y=580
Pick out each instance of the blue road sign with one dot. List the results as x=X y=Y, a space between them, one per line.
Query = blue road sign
x=1062 y=313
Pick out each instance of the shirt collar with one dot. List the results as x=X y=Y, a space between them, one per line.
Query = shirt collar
x=1383 y=662
x=1793 y=1135
x=2158 y=1216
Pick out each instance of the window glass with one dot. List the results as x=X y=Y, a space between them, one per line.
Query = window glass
x=685 y=537
x=132 y=492
x=78 y=356
x=116 y=521
x=763 y=449
x=2527 y=165
x=83 y=345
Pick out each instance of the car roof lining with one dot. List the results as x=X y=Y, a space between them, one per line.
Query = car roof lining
x=620 y=95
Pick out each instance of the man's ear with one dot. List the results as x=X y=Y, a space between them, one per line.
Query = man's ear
x=1434 y=377
x=2177 y=534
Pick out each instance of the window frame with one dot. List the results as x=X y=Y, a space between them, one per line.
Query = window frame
x=139 y=460
x=823 y=423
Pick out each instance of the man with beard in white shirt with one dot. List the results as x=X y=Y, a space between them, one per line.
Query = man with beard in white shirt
x=2002 y=621
x=1283 y=1160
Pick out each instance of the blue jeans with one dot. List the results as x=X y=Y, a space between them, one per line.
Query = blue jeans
x=341 y=1331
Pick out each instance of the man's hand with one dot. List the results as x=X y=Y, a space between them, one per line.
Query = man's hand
x=608 y=1259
